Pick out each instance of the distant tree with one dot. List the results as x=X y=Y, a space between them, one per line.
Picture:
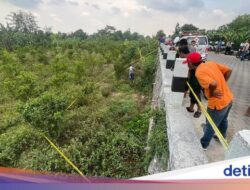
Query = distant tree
x=136 y=36
x=202 y=31
x=47 y=29
x=43 y=38
x=22 y=22
x=127 y=34
x=237 y=31
x=80 y=34
x=160 y=33
x=118 y=35
x=240 y=23
x=6 y=37
x=109 y=29
x=189 y=28
x=176 y=31
x=106 y=31
x=62 y=35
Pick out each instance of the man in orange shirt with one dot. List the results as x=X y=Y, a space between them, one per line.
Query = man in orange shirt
x=213 y=77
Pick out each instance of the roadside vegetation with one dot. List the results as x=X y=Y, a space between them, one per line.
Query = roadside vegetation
x=74 y=89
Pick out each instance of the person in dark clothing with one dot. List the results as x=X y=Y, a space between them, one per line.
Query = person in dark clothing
x=183 y=42
x=180 y=44
x=192 y=80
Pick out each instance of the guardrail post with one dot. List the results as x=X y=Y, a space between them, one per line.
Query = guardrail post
x=184 y=145
x=178 y=86
x=165 y=51
x=240 y=145
x=171 y=60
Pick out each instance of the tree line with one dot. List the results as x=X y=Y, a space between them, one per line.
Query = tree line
x=21 y=29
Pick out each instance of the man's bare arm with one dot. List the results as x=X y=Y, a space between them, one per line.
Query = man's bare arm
x=212 y=90
x=228 y=74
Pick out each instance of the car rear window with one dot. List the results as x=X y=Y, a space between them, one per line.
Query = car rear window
x=200 y=40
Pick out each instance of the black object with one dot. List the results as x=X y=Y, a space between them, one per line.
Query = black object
x=228 y=51
x=170 y=64
x=161 y=51
x=165 y=55
x=179 y=84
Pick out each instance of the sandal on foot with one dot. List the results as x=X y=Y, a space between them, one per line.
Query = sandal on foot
x=215 y=137
x=189 y=109
x=197 y=114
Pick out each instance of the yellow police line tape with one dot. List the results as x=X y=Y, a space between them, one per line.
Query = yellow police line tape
x=65 y=157
x=137 y=61
x=210 y=120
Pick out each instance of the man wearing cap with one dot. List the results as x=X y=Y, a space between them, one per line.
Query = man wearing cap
x=213 y=77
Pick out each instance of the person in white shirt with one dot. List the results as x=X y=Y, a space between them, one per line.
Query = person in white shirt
x=192 y=46
x=131 y=72
x=245 y=50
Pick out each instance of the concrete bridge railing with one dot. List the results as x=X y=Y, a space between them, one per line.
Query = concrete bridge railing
x=184 y=146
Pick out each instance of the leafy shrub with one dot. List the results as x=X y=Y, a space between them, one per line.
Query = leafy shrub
x=158 y=141
x=23 y=86
x=42 y=58
x=123 y=109
x=138 y=126
x=106 y=90
x=113 y=155
x=26 y=83
x=15 y=141
x=43 y=157
x=85 y=94
x=9 y=119
x=46 y=112
x=145 y=80
x=104 y=153
x=102 y=134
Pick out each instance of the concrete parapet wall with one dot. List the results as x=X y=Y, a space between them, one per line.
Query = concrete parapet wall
x=240 y=145
x=184 y=146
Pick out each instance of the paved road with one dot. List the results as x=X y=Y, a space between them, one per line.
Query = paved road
x=240 y=85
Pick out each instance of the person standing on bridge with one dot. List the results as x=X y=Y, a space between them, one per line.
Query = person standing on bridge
x=213 y=77
x=192 y=80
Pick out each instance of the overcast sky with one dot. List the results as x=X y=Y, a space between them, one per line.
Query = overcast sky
x=143 y=16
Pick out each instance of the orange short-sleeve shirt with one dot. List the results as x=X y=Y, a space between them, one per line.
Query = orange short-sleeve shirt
x=208 y=72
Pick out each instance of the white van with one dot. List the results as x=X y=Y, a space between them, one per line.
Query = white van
x=202 y=45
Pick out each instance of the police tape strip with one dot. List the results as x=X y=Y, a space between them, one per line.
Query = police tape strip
x=210 y=120
x=59 y=151
x=137 y=61
x=65 y=157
